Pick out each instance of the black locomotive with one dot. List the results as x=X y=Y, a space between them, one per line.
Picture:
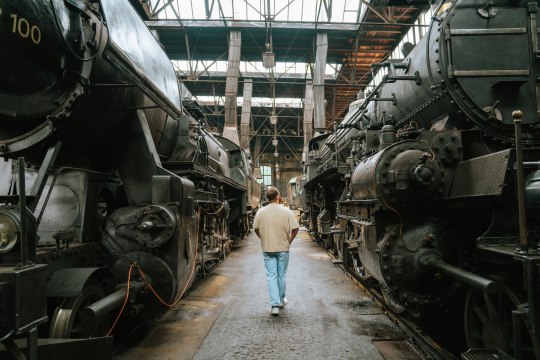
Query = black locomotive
x=425 y=188
x=115 y=195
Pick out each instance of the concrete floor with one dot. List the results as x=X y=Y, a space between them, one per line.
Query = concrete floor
x=227 y=315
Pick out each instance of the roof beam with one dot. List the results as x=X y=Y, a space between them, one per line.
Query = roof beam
x=208 y=7
x=253 y=24
x=328 y=7
x=261 y=75
x=156 y=12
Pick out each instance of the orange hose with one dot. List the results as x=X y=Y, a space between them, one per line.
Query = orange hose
x=150 y=286
x=125 y=301
x=190 y=276
x=214 y=213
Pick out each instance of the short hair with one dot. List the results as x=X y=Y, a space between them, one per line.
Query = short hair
x=272 y=193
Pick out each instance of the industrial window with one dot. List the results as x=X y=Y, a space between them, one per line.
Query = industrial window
x=266 y=173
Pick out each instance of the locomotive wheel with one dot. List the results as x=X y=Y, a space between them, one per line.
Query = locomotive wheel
x=389 y=298
x=328 y=241
x=488 y=322
x=67 y=322
x=338 y=246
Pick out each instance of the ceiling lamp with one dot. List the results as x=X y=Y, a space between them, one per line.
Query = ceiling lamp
x=273 y=119
x=269 y=59
x=275 y=141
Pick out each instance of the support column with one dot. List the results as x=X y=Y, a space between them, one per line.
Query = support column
x=245 y=120
x=230 y=130
x=318 y=82
x=308 y=113
x=256 y=154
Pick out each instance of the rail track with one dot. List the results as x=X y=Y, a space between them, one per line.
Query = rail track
x=422 y=343
x=426 y=346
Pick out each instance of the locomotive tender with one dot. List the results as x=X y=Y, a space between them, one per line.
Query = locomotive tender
x=418 y=188
x=118 y=194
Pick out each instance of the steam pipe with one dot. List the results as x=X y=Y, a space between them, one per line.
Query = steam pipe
x=22 y=204
x=110 y=302
x=523 y=243
x=466 y=277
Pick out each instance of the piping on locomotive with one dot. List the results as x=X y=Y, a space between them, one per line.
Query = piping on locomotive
x=122 y=188
x=417 y=187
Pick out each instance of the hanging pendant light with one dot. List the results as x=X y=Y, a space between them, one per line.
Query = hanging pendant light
x=275 y=141
x=268 y=59
x=273 y=118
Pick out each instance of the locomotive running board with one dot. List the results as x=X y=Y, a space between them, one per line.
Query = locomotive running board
x=183 y=168
x=480 y=354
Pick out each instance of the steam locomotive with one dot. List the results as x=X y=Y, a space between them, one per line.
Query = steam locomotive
x=115 y=196
x=429 y=188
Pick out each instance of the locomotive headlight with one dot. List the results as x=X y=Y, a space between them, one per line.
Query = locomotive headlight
x=4 y=232
x=8 y=233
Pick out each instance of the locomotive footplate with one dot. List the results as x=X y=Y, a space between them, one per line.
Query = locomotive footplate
x=480 y=354
x=510 y=250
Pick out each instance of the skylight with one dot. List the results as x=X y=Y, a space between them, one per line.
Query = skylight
x=338 y=11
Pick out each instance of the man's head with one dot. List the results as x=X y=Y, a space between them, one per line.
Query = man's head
x=273 y=195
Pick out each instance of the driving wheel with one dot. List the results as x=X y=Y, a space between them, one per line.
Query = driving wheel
x=488 y=322
x=67 y=322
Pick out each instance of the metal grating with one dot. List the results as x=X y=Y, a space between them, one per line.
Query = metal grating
x=484 y=354
x=480 y=176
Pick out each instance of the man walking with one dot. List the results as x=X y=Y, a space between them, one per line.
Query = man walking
x=276 y=226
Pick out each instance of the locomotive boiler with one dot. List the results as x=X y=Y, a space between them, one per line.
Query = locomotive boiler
x=115 y=196
x=429 y=186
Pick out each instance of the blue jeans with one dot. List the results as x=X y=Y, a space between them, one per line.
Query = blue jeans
x=276 y=264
